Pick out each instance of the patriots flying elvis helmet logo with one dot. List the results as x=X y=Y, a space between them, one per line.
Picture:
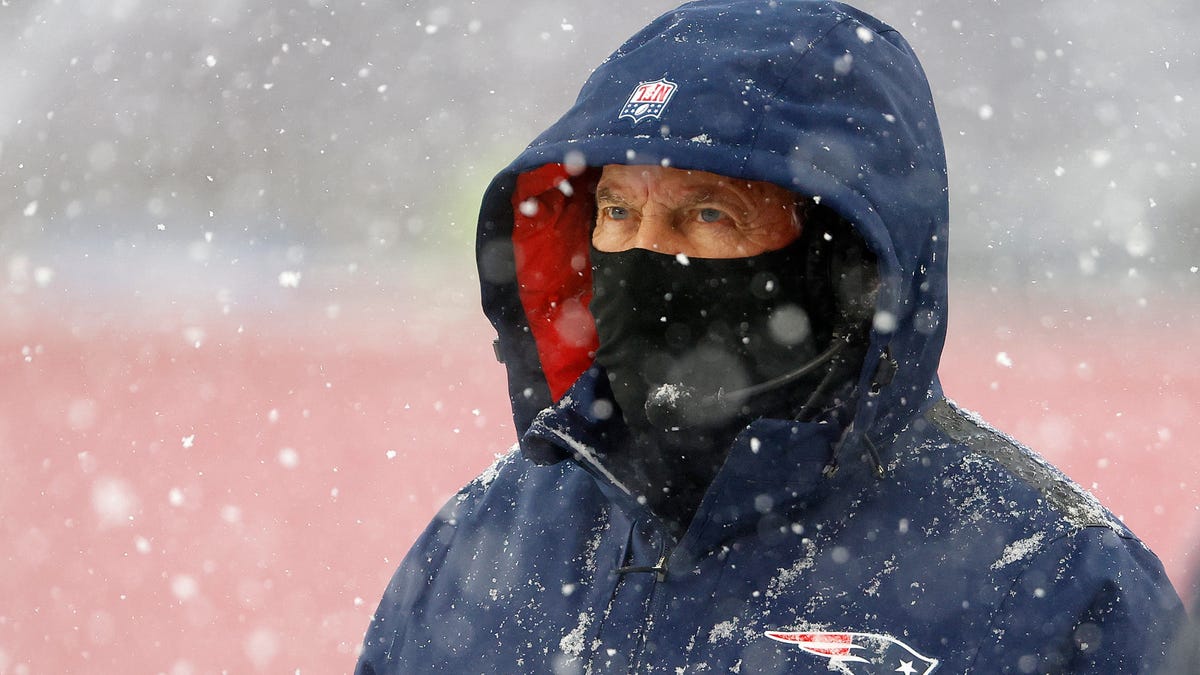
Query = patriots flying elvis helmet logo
x=648 y=100
x=860 y=653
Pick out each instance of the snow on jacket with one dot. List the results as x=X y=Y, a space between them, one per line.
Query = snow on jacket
x=915 y=540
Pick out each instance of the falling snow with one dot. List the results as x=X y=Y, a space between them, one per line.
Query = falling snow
x=289 y=458
x=241 y=329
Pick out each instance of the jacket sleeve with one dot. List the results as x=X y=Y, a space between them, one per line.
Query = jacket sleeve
x=402 y=605
x=1091 y=602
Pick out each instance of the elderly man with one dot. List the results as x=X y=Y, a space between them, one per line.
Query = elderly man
x=719 y=283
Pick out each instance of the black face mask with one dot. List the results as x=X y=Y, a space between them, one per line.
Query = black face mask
x=684 y=336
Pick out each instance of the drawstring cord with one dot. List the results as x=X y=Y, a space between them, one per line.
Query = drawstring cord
x=873 y=453
x=856 y=433
x=659 y=569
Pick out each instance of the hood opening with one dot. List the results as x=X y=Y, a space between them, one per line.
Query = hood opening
x=553 y=208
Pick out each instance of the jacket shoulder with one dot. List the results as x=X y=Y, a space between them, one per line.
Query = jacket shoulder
x=983 y=443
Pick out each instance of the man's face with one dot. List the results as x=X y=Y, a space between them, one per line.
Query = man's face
x=691 y=212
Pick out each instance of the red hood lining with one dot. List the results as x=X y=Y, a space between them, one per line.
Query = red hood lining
x=552 y=213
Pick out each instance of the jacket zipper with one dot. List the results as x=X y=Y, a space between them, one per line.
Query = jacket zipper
x=659 y=569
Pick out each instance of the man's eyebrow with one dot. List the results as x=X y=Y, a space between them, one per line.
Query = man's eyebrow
x=699 y=197
x=606 y=194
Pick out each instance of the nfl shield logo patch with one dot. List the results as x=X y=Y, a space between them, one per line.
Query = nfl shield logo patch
x=648 y=100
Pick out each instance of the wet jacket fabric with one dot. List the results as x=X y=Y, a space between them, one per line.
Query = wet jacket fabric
x=915 y=539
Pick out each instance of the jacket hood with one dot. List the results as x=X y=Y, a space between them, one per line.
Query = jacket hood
x=817 y=97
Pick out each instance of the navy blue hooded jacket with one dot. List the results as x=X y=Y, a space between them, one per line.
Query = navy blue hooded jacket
x=914 y=539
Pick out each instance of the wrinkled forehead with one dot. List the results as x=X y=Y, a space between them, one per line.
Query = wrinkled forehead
x=633 y=175
x=628 y=184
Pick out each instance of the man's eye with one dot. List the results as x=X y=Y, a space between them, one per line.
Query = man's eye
x=711 y=215
x=616 y=212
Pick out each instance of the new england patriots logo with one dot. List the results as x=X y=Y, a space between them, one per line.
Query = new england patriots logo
x=860 y=653
x=648 y=100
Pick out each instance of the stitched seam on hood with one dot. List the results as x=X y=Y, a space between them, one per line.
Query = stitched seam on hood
x=796 y=70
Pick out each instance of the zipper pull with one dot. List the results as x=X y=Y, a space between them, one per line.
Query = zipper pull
x=660 y=568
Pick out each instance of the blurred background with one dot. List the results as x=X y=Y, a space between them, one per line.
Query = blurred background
x=242 y=360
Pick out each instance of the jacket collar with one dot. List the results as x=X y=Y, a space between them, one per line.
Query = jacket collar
x=772 y=468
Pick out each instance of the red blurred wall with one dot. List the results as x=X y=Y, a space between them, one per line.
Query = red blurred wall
x=213 y=493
